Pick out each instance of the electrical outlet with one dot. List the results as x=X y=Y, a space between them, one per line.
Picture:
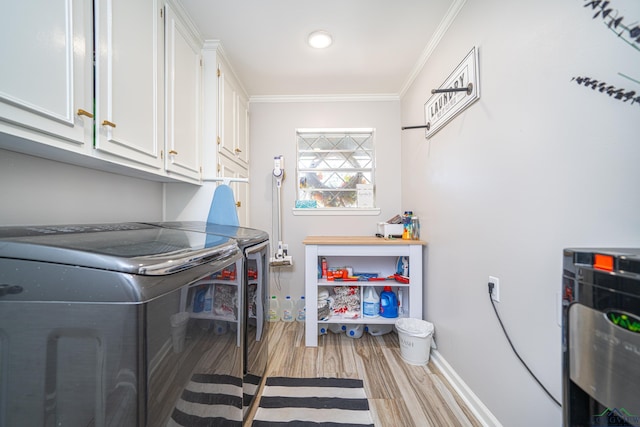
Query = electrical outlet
x=495 y=294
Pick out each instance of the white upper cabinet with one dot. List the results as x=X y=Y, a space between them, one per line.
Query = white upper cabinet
x=183 y=74
x=46 y=77
x=129 y=68
x=232 y=117
x=121 y=86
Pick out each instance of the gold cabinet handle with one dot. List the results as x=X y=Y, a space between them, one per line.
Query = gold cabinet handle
x=238 y=204
x=82 y=112
x=173 y=152
x=237 y=150
x=108 y=123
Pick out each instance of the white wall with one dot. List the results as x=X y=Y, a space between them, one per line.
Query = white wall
x=39 y=191
x=273 y=126
x=536 y=165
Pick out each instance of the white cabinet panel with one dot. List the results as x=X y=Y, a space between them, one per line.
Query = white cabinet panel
x=233 y=117
x=129 y=76
x=230 y=169
x=243 y=131
x=227 y=111
x=183 y=99
x=48 y=45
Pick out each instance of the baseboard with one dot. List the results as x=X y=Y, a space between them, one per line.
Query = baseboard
x=482 y=413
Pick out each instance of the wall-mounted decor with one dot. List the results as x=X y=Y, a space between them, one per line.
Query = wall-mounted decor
x=614 y=92
x=459 y=90
x=616 y=22
x=626 y=31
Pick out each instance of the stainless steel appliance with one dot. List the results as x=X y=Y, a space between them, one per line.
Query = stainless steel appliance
x=601 y=337
x=90 y=333
x=255 y=247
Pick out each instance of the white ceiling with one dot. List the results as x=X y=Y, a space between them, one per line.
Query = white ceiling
x=378 y=44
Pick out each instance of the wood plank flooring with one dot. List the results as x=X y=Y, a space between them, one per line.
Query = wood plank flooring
x=400 y=395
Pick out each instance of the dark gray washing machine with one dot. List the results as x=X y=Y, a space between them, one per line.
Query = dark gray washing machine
x=119 y=325
x=255 y=247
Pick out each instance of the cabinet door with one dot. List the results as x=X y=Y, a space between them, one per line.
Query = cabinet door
x=242 y=150
x=183 y=107
x=129 y=76
x=230 y=169
x=46 y=72
x=227 y=111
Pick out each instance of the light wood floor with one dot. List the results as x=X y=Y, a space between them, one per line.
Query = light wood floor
x=400 y=395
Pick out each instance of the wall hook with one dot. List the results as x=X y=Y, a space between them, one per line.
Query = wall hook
x=428 y=126
x=468 y=89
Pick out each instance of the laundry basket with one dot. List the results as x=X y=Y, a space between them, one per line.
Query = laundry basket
x=415 y=340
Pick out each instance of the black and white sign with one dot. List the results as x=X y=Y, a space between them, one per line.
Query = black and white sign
x=443 y=106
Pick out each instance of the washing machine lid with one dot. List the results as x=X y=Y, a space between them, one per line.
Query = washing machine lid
x=126 y=247
x=245 y=236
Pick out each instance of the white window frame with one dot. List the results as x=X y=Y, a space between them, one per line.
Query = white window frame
x=333 y=210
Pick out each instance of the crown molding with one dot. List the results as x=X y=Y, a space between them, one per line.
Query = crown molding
x=324 y=98
x=446 y=22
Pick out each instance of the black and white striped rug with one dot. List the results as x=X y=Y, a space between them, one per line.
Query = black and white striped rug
x=317 y=402
x=209 y=400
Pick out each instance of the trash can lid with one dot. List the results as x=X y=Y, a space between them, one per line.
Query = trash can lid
x=414 y=327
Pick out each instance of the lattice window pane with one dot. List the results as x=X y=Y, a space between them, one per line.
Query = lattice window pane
x=332 y=163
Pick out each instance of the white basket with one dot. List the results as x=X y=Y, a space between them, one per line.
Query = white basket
x=415 y=340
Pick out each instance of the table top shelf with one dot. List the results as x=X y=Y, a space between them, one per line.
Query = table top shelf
x=358 y=240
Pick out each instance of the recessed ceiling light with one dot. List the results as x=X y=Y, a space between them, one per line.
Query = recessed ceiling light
x=320 y=39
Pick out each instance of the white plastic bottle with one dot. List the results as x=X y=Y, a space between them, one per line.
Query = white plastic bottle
x=286 y=310
x=301 y=310
x=371 y=303
x=355 y=331
x=337 y=328
x=219 y=327
x=274 y=309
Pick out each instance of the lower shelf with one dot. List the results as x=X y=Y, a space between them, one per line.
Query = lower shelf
x=210 y=316
x=371 y=320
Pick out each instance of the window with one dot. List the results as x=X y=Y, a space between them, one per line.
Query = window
x=336 y=167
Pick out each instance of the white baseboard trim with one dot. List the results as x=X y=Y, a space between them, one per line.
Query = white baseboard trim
x=482 y=413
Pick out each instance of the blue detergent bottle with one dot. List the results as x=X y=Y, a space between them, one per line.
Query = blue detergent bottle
x=388 y=303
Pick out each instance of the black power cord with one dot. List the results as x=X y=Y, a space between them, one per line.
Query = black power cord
x=493 y=304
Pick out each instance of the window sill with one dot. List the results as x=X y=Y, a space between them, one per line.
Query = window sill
x=335 y=211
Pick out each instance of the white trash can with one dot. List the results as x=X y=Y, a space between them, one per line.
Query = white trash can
x=415 y=340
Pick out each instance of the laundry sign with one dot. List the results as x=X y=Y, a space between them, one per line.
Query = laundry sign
x=458 y=91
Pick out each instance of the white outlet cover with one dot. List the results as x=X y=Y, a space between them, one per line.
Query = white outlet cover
x=495 y=295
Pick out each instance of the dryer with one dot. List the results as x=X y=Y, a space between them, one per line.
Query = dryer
x=254 y=244
x=86 y=337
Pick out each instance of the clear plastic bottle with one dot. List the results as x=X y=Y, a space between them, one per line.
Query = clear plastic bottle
x=337 y=328
x=286 y=310
x=371 y=303
x=322 y=329
x=301 y=310
x=274 y=309
x=415 y=228
x=208 y=300
x=379 y=329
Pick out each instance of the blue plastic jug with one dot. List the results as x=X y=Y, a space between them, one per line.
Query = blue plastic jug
x=388 y=303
